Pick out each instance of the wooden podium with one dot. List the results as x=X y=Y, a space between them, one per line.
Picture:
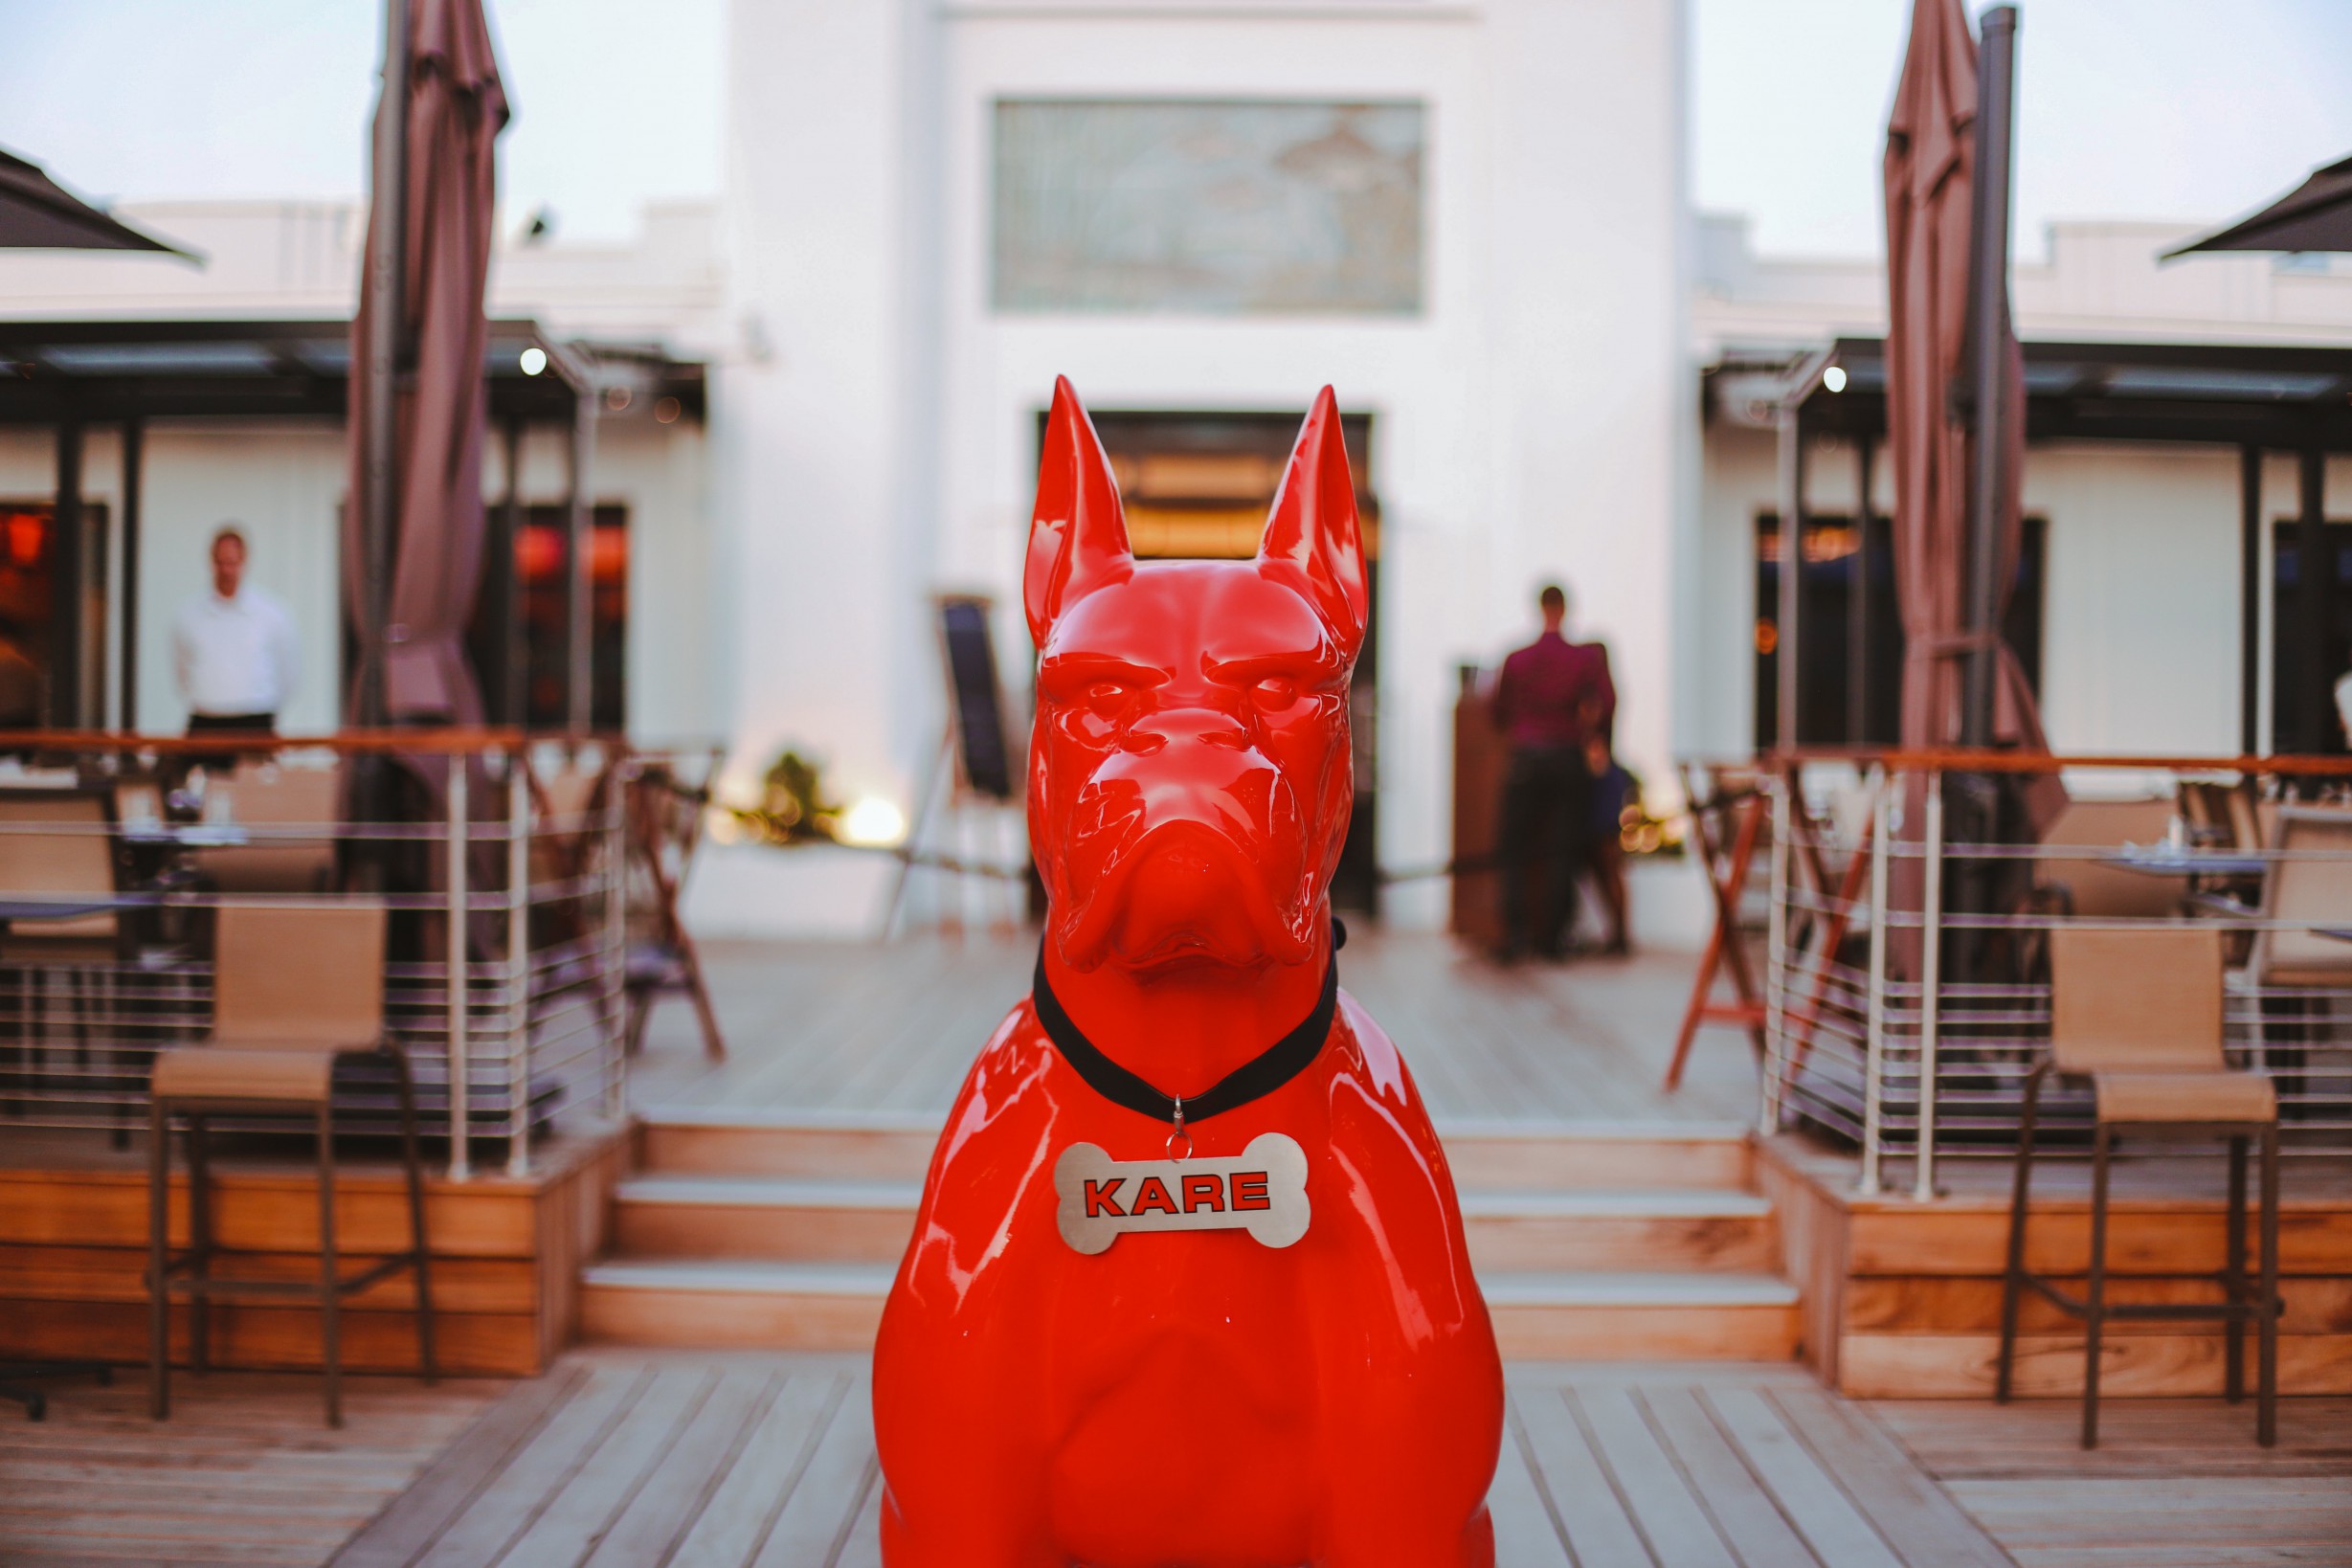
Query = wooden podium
x=1480 y=759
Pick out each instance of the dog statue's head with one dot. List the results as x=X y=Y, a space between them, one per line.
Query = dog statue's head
x=1189 y=773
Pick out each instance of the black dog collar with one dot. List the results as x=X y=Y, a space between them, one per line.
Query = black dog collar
x=1253 y=1080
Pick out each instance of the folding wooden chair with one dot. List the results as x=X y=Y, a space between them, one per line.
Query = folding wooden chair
x=1824 y=930
x=1726 y=823
x=666 y=819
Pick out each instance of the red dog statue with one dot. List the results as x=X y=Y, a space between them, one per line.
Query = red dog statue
x=1189 y=1283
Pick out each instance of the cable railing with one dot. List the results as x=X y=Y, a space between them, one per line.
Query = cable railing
x=501 y=862
x=1907 y=984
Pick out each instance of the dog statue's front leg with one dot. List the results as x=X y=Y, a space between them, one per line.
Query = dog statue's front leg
x=1365 y=1537
x=936 y=1534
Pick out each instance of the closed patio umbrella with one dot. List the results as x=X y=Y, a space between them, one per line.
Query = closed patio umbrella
x=2315 y=215
x=1930 y=173
x=411 y=638
x=1934 y=257
x=36 y=214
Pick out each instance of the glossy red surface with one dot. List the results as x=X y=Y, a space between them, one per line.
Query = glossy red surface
x=1193 y=1397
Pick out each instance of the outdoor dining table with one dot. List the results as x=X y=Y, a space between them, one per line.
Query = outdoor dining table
x=73 y=905
x=2163 y=861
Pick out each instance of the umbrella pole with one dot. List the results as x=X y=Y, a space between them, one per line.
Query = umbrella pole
x=134 y=454
x=387 y=235
x=1988 y=310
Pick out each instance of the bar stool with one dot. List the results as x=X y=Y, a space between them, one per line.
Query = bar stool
x=2139 y=1014
x=294 y=992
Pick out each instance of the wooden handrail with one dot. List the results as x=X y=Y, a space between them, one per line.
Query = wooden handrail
x=1972 y=760
x=453 y=740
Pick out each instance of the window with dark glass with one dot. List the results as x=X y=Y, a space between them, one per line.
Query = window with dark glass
x=1850 y=658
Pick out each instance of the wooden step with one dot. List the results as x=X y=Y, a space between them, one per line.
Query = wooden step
x=776 y=1218
x=1587 y=1231
x=803 y=1305
x=719 y=1140
x=1588 y=1155
x=734 y=1305
x=793 y=1219
x=1632 y=1317
x=889 y=1146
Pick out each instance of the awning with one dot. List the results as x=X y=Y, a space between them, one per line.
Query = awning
x=36 y=214
x=52 y=373
x=2235 y=395
x=2315 y=215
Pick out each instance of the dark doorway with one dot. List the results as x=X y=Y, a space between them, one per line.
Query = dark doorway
x=31 y=633
x=2287 y=678
x=520 y=639
x=1197 y=486
x=1850 y=674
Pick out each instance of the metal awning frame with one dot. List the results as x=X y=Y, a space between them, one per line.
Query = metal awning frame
x=68 y=375
x=2257 y=397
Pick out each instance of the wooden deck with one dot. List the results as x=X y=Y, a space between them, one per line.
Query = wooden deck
x=837 y=1026
x=766 y=1461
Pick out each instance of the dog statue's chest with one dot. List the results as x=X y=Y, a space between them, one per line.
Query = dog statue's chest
x=1204 y=1339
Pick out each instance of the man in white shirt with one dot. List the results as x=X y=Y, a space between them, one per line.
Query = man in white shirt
x=233 y=648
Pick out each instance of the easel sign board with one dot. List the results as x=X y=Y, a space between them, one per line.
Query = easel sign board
x=983 y=751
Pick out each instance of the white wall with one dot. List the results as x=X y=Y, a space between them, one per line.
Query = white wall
x=1528 y=421
x=284 y=483
x=2139 y=634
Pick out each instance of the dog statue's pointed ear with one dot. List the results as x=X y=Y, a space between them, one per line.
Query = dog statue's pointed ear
x=1312 y=536
x=1077 y=533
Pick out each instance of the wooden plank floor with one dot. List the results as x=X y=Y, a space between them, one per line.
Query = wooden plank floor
x=848 y=1026
x=245 y=1471
x=767 y=1461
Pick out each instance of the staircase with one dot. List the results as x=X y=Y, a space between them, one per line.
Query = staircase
x=1591 y=1242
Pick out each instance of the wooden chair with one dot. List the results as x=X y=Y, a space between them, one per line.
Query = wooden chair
x=1727 y=823
x=277 y=798
x=74 y=862
x=2139 y=1014
x=295 y=990
x=666 y=819
x=2317 y=895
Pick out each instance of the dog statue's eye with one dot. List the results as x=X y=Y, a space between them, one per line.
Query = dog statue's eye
x=1107 y=698
x=1275 y=693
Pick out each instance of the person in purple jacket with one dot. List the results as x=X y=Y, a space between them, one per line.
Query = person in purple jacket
x=1552 y=699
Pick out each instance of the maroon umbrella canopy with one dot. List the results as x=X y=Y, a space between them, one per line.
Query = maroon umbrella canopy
x=36 y=214
x=1929 y=171
x=2315 y=215
x=454 y=109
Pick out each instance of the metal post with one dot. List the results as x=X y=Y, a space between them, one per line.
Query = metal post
x=1874 y=1062
x=387 y=237
x=1786 y=613
x=134 y=462
x=2315 y=608
x=2249 y=599
x=1859 y=567
x=617 y=933
x=502 y=583
x=518 y=962
x=460 y=1125
x=579 y=605
x=1930 y=985
x=1989 y=313
x=66 y=555
x=1775 y=956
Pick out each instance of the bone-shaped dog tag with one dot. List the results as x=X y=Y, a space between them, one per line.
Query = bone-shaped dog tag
x=1262 y=1190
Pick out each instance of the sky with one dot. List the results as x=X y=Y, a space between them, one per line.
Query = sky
x=2194 y=110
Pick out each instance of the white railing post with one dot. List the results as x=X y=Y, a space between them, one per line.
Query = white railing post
x=1875 y=1060
x=518 y=962
x=615 y=936
x=1931 y=988
x=1776 y=955
x=460 y=1125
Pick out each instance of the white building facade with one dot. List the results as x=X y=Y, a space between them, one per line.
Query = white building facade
x=1469 y=217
